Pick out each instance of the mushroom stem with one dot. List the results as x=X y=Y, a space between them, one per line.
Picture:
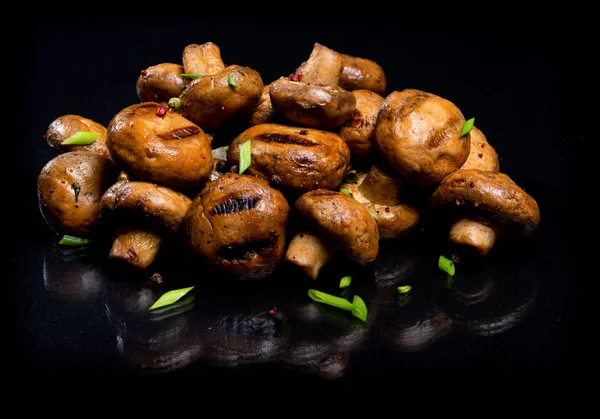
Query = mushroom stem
x=309 y=252
x=136 y=247
x=323 y=67
x=202 y=59
x=380 y=188
x=473 y=234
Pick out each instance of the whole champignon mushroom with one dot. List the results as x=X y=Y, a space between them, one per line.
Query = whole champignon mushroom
x=70 y=187
x=161 y=82
x=143 y=212
x=222 y=92
x=362 y=73
x=166 y=149
x=380 y=193
x=335 y=223
x=467 y=232
x=293 y=158
x=492 y=199
x=359 y=130
x=264 y=111
x=237 y=223
x=418 y=134
x=65 y=126
x=313 y=97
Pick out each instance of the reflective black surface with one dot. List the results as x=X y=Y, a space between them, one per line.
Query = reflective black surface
x=517 y=312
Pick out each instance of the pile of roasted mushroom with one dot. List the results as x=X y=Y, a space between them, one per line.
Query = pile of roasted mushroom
x=316 y=165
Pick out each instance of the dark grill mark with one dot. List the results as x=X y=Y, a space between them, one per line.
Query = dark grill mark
x=442 y=135
x=245 y=251
x=412 y=103
x=285 y=139
x=235 y=205
x=179 y=133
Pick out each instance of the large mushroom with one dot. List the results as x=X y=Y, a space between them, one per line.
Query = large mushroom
x=237 y=223
x=335 y=223
x=418 y=134
x=66 y=126
x=313 y=98
x=492 y=199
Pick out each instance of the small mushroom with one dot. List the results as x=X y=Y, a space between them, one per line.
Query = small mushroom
x=336 y=223
x=362 y=73
x=497 y=204
x=65 y=126
x=161 y=82
x=167 y=149
x=237 y=224
x=379 y=192
x=144 y=212
x=313 y=98
x=70 y=187
x=418 y=134
x=264 y=111
x=293 y=158
x=359 y=130
x=222 y=92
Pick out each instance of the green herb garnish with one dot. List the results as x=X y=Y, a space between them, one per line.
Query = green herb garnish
x=68 y=240
x=76 y=189
x=346 y=191
x=446 y=265
x=345 y=281
x=245 y=156
x=191 y=75
x=360 y=308
x=373 y=214
x=357 y=307
x=81 y=138
x=170 y=297
x=467 y=127
x=231 y=81
x=404 y=289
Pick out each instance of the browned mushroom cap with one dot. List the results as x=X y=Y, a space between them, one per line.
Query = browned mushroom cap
x=202 y=59
x=482 y=155
x=362 y=73
x=264 y=111
x=489 y=197
x=67 y=125
x=237 y=224
x=70 y=187
x=418 y=134
x=344 y=221
x=169 y=149
x=161 y=82
x=294 y=158
x=380 y=194
x=359 y=130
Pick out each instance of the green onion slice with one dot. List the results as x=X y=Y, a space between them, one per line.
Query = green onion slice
x=68 y=240
x=404 y=289
x=345 y=281
x=231 y=81
x=346 y=191
x=191 y=75
x=170 y=297
x=174 y=103
x=446 y=265
x=81 y=138
x=359 y=308
x=332 y=300
x=245 y=156
x=467 y=127
x=76 y=189
x=373 y=214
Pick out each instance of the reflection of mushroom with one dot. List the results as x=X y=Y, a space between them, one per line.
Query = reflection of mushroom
x=380 y=193
x=65 y=126
x=166 y=149
x=418 y=134
x=493 y=200
x=237 y=223
x=313 y=98
x=161 y=82
x=336 y=222
x=70 y=187
x=299 y=159
x=222 y=92
x=359 y=130
x=147 y=211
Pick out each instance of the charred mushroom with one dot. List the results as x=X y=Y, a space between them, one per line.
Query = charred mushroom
x=313 y=98
x=222 y=92
x=70 y=187
x=161 y=82
x=237 y=224
x=335 y=223
x=418 y=134
x=380 y=193
x=162 y=148
x=293 y=158
x=493 y=200
x=65 y=126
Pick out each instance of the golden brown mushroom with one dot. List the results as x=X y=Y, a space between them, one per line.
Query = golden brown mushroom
x=161 y=82
x=65 y=126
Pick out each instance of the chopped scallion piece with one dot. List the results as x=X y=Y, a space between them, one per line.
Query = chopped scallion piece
x=373 y=214
x=346 y=191
x=404 y=289
x=446 y=265
x=345 y=281
x=81 y=138
x=467 y=127
x=191 y=75
x=174 y=103
x=245 y=156
x=76 y=189
x=170 y=297
x=359 y=308
x=68 y=240
x=231 y=81
x=332 y=300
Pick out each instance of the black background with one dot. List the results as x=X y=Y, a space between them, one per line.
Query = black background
x=513 y=78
